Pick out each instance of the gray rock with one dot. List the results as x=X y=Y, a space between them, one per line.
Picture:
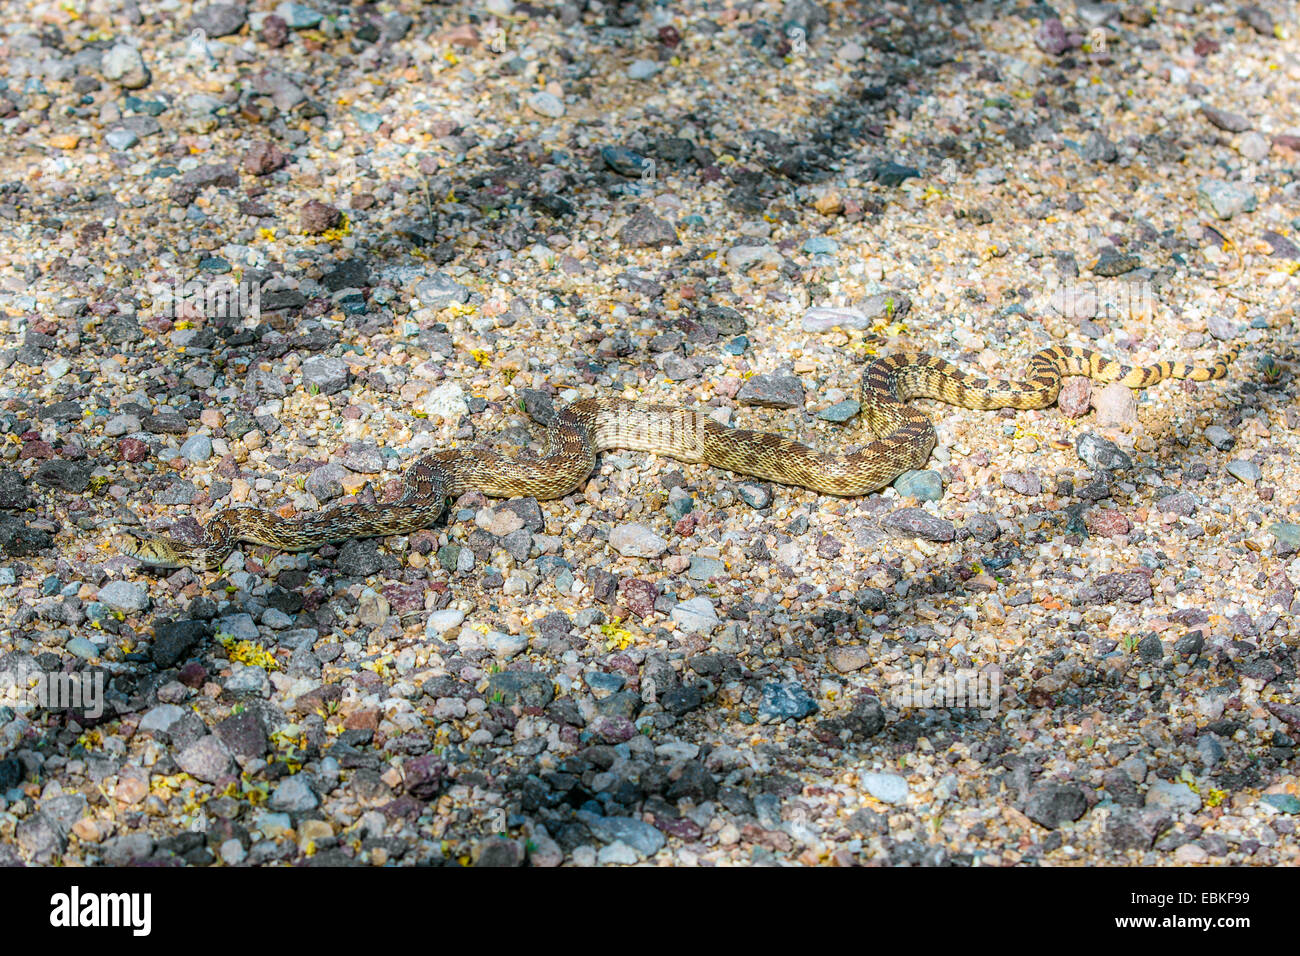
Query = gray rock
x=1259 y=20
x=746 y=256
x=546 y=104
x=885 y=787
x=772 y=391
x=1051 y=804
x=645 y=230
x=125 y=596
x=643 y=838
x=1209 y=750
x=276 y=619
x=696 y=616
x=783 y=701
x=890 y=306
x=1287 y=534
x=358 y=558
x=617 y=853
x=498 y=852
x=1115 y=405
x=219 y=19
x=294 y=795
x=840 y=411
x=121 y=138
x=176 y=492
x=73 y=476
x=124 y=66
x=702 y=569
x=823 y=319
x=239 y=626
x=624 y=161
x=39 y=839
x=1220 y=437
x=1244 y=471
x=13 y=491
x=1225 y=199
x=1023 y=482
x=81 y=647
x=921 y=485
x=642 y=69
x=1131 y=586
x=284 y=93
x=1221 y=328
x=526 y=688
x=1101 y=454
x=247 y=681
x=121 y=425
x=1151 y=648
x=197 y=449
x=637 y=541
x=919 y=523
x=983 y=527
x=326 y=482
x=1180 y=503
x=1225 y=120
x=1098 y=149
x=128 y=849
x=298 y=16
x=439 y=291
x=243 y=735
x=498 y=643
x=439 y=622
x=1175 y=797
x=161 y=718
x=206 y=759
x=326 y=374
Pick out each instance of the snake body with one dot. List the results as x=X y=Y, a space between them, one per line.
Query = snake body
x=903 y=439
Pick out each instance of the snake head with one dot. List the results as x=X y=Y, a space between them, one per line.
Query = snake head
x=153 y=552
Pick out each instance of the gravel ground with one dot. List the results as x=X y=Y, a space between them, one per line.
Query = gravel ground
x=1071 y=640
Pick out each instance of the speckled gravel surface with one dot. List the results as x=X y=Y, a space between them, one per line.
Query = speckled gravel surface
x=1070 y=640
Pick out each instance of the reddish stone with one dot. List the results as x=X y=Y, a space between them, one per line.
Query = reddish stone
x=36 y=449
x=686 y=526
x=132 y=449
x=193 y=674
x=462 y=36
x=404 y=598
x=316 y=217
x=275 y=31
x=1106 y=523
x=265 y=157
x=638 y=595
x=367 y=719
x=1075 y=397
x=402 y=808
x=684 y=828
x=423 y=776
x=423 y=541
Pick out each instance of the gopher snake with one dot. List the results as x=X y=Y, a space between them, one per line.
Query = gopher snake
x=904 y=438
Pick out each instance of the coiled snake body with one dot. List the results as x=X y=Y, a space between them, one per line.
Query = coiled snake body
x=903 y=439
